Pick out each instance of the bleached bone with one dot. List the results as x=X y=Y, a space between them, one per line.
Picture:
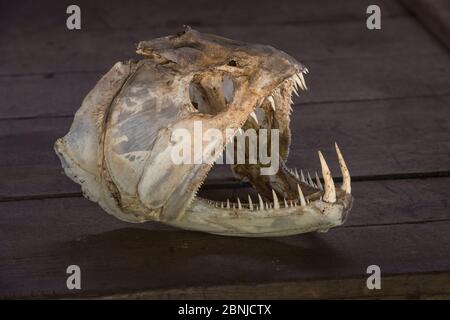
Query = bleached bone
x=119 y=146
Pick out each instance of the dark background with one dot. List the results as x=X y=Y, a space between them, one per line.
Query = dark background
x=382 y=95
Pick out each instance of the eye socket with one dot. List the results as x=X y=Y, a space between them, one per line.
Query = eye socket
x=232 y=63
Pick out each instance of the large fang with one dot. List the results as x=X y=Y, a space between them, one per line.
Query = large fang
x=250 y=203
x=300 y=195
x=239 y=204
x=276 y=204
x=302 y=176
x=272 y=102
x=346 y=180
x=329 y=189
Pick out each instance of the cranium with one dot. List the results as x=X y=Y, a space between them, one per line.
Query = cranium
x=119 y=146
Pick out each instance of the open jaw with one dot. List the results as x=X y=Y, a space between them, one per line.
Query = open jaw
x=287 y=202
x=120 y=148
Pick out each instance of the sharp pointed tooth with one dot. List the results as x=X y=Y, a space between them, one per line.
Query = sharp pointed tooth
x=250 y=203
x=302 y=176
x=296 y=173
x=346 y=180
x=302 y=79
x=300 y=196
x=276 y=204
x=267 y=206
x=310 y=182
x=272 y=102
x=228 y=204
x=290 y=203
x=239 y=203
x=305 y=71
x=240 y=131
x=221 y=204
x=300 y=82
x=285 y=203
x=329 y=189
x=319 y=184
x=295 y=91
x=261 y=202
x=294 y=82
x=253 y=115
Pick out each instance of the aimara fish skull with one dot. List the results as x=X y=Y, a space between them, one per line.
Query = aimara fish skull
x=120 y=146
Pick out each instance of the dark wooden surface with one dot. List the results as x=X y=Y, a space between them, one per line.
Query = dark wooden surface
x=435 y=16
x=383 y=95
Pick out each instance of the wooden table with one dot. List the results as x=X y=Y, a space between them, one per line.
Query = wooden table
x=384 y=95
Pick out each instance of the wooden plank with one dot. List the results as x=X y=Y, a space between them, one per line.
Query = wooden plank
x=423 y=286
x=329 y=81
x=24 y=17
x=434 y=14
x=57 y=232
x=378 y=143
x=132 y=259
x=97 y=50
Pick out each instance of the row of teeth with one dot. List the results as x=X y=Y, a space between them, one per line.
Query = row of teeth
x=299 y=82
x=262 y=205
x=308 y=180
x=329 y=190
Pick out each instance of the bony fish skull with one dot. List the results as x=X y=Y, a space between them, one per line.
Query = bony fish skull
x=120 y=146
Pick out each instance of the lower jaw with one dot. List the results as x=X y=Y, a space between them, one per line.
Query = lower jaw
x=315 y=216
